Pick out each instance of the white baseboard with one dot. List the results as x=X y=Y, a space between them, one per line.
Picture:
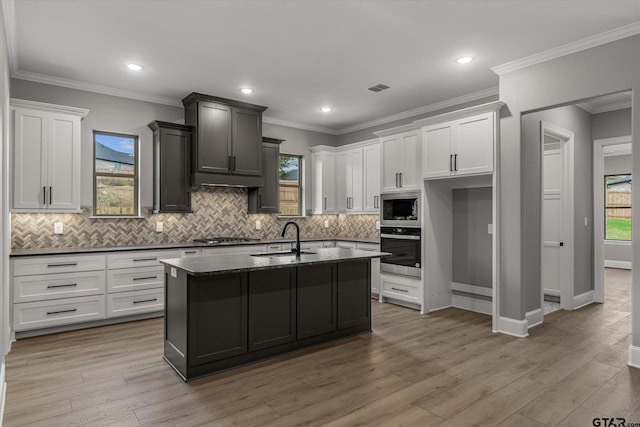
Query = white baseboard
x=472 y=304
x=626 y=265
x=534 y=318
x=3 y=392
x=516 y=328
x=634 y=356
x=440 y=308
x=582 y=300
x=551 y=292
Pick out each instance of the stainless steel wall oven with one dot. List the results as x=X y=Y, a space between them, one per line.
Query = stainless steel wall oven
x=405 y=245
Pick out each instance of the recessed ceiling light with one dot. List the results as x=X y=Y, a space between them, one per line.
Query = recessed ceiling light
x=326 y=109
x=134 y=67
x=246 y=90
x=464 y=59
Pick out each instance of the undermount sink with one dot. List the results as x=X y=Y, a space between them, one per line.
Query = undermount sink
x=281 y=253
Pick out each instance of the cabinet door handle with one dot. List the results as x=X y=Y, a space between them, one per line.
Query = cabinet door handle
x=61 y=311
x=230 y=163
x=62 y=264
x=70 y=285
x=325 y=203
x=145 y=278
x=145 y=259
x=190 y=252
x=455 y=162
x=396 y=180
x=44 y=195
x=400 y=290
x=50 y=195
x=145 y=300
x=401 y=179
x=450 y=162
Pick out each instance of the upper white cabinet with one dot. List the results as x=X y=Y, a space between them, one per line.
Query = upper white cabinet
x=401 y=161
x=463 y=146
x=46 y=157
x=350 y=180
x=323 y=165
x=371 y=160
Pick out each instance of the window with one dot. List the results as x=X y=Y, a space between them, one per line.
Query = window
x=290 y=184
x=115 y=176
x=617 y=207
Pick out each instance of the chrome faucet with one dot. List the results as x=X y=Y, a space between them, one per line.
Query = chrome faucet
x=295 y=250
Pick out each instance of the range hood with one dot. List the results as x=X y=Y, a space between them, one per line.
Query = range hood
x=227 y=142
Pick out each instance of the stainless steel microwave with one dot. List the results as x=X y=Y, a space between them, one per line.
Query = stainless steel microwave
x=400 y=209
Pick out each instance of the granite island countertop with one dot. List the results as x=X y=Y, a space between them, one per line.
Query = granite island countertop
x=219 y=264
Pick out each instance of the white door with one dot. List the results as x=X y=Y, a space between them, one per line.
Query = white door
x=410 y=170
x=371 y=202
x=391 y=147
x=356 y=167
x=473 y=153
x=63 y=190
x=328 y=182
x=344 y=181
x=30 y=159
x=437 y=142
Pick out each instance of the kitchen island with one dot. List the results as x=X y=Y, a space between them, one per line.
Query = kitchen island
x=229 y=310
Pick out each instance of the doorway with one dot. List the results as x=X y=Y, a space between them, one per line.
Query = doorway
x=557 y=218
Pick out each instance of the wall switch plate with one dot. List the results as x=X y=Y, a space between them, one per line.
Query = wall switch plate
x=159 y=227
x=326 y=223
x=586 y=221
x=58 y=228
x=258 y=225
x=377 y=225
x=490 y=228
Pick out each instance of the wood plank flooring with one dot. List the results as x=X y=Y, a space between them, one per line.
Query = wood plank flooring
x=442 y=369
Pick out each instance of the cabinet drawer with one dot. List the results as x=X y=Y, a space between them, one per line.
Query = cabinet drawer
x=400 y=291
x=243 y=249
x=55 y=286
x=276 y=247
x=128 y=303
x=139 y=258
x=308 y=245
x=347 y=245
x=131 y=279
x=43 y=314
x=57 y=264
x=186 y=253
x=371 y=247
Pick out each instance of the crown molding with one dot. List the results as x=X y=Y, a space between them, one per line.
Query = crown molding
x=91 y=87
x=296 y=125
x=613 y=106
x=24 y=103
x=569 y=48
x=470 y=97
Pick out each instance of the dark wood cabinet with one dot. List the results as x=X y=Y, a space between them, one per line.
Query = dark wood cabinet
x=171 y=167
x=228 y=141
x=354 y=293
x=267 y=199
x=217 y=318
x=317 y=288
x=272 y=308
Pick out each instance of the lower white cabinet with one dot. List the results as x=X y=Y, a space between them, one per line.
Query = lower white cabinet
x=401 y=288
x=375 y=266
x=44 y=314
x=55 y=286
x=131 y=279
x=135 y=302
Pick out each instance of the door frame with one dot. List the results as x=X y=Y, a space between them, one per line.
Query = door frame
x=598 y=211
x=566 y=286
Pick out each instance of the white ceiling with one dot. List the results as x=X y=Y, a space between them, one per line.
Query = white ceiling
x=297 y=55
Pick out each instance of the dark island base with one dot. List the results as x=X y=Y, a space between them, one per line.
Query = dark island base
x=217 y=322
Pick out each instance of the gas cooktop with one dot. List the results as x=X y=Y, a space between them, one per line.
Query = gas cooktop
x=218 y=240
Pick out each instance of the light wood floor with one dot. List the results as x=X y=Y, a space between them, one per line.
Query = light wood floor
x=445 y=369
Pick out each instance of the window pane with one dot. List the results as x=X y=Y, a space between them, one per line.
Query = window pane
x=115 y=196
x=115 y=154
x=618 y=207
x=290 y=185
x=289 y=200
x=289 y=169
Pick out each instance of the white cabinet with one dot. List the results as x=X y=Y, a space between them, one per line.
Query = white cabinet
x=346 y=244
x=372 y=166
x=459 y=147
x=323 y=170
x=401 y=289
x=46 y=157
x=350 y=177
x=401 y=161
x=241 y=249
x=375 y=266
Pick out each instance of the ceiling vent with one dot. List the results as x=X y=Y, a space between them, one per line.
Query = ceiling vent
x=378 y=88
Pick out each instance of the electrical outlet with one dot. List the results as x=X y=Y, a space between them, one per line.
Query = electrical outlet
x=326 y=223
x=377 y=225
x=58 y=228
x=258 y=225
x=159 y=227
x=586 y=221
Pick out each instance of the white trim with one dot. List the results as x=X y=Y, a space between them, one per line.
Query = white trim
x=471 y=304
x=534 y=317
x=598 y=212
x=3 y=391
x=444 y=307
x=625 y=265
x=35 y=105
x=447 y=103
x=583 y=300
x=569 y=48
x=472 y=289
x=9 y=14
x=317 y=148
x=613 y=106
x=513 y=327
x=297 y=125
x=634 y=356
x=552 y=292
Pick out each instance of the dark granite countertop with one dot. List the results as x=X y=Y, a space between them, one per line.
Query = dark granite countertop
x=83 y=250
x=232 y=263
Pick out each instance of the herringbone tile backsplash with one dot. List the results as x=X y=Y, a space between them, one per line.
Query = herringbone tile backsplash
x=217 y=211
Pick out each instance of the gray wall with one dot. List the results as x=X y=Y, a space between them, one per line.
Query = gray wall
x=365 y=134
x=611 y=124
x=617 y=251
x=472 y=247
x=578 y=121
x=609 y=68
x=111 y=113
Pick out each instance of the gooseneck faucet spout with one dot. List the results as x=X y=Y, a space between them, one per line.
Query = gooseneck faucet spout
x=283 y=231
